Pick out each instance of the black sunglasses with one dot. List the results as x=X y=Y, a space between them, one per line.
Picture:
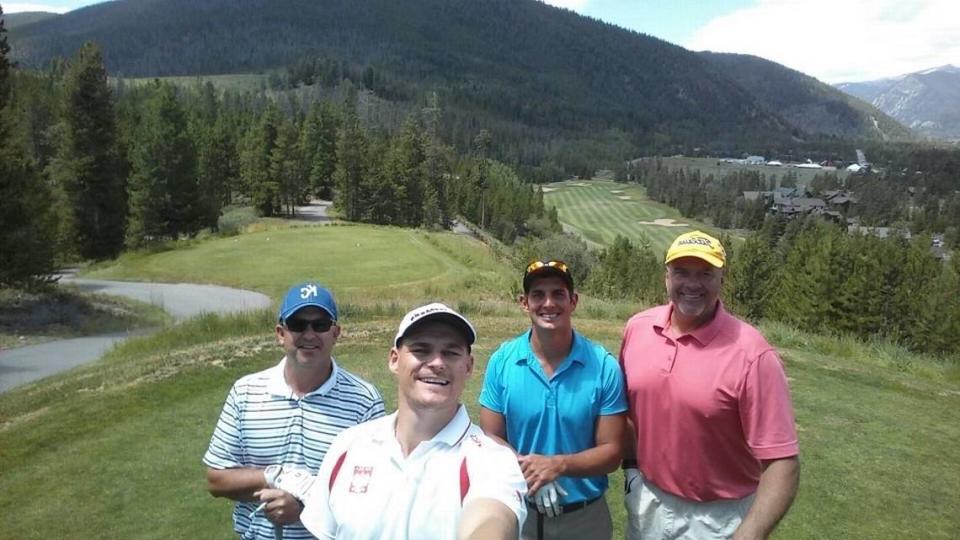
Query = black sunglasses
x=300 y=325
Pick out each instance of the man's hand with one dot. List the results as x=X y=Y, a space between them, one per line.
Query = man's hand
x=540 y=470
x=282 y=507
x=293 y=480
x=548 y=499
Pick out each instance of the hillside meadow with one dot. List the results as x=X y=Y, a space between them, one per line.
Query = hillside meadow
x=113 y=449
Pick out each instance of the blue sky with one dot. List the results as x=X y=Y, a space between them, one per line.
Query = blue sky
x=832 y=40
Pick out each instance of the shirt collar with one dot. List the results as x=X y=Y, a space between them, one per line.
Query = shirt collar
x=575 y=354
x=704 y=334
x=277 y=382
x=450 y=435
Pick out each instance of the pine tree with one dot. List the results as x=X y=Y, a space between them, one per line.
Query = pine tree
x=806 y=282
x=215 y=163
x=352 y=168
x=750 y=274
x=87 y=166
x=26 y=230
x=163 y=180
x=285 y=172
x=255 y=177
x=319 y=147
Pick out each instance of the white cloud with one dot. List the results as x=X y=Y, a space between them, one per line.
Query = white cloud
x=575 y=5
x=841 y=40
x=18 y=8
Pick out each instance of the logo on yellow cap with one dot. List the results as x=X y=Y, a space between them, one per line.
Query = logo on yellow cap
x=700 y=245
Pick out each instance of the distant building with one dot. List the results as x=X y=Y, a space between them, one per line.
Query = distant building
x=754 y=160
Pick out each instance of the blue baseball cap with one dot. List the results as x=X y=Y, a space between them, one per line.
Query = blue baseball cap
x=308 y=294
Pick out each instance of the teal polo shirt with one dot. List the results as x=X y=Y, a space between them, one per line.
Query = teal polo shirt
x=555 y=415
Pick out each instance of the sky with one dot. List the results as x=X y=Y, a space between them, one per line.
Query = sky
x=832 y=40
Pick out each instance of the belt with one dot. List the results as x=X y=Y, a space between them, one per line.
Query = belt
x=572 y=507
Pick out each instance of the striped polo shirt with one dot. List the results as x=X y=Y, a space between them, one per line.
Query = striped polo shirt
x=264 y=423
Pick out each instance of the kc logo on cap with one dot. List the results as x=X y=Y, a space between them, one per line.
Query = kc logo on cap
x=307 y=294
x=308 y=291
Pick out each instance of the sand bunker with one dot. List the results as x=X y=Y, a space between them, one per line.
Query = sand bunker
x=616 y=191
x=581 y=184
x=663 y=223
x=548 y=189
x=624 y=197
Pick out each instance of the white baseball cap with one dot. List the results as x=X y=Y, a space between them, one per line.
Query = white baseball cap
x=435 y=310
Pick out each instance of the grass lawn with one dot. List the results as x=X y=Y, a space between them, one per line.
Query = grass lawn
x=600 y=210
x=113 y=449
x=361 y=264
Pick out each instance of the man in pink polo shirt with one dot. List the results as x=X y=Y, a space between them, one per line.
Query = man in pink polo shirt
x=716 y=446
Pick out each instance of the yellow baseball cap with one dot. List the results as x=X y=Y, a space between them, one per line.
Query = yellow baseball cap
x=700 y=245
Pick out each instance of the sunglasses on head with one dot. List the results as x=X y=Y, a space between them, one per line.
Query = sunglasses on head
x=300 y=325
x=559 y=265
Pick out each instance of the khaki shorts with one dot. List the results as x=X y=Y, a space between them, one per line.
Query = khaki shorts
x=653 y=514
x=590 y=523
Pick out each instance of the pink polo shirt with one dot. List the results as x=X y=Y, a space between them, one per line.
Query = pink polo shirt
x=708 y=405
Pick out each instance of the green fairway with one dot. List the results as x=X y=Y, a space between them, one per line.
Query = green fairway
x=113 y=449
x=600 y=210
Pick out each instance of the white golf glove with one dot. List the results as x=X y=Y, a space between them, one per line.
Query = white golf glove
x=294 y=480
x=548 y=497
x=631 y=479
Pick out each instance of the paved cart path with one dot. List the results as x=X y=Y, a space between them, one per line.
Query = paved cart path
x=182 y=300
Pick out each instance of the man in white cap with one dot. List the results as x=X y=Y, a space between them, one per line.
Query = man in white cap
x=716 y=445
x=425 y=472
x=277 y=425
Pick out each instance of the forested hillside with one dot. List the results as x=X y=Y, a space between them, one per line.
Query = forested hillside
x=557 y=89
x=804 y=102
x=13 y=20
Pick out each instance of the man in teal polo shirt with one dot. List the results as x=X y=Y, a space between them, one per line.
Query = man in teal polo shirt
x=558 y=399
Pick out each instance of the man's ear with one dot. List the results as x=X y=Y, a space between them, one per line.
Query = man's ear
x=279 y=329
x=393 y=359
x=522 y=300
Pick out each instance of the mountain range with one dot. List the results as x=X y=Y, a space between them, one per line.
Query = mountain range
x=535 y=71
x=926 y=101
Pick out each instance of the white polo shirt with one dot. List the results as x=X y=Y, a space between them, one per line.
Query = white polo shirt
x=367 y=490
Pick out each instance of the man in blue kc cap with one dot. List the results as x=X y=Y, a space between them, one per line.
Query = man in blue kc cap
x=277 y=424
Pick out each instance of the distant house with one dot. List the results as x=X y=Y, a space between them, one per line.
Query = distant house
x=754 y=160
x=839 y=199
x=790 y=207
